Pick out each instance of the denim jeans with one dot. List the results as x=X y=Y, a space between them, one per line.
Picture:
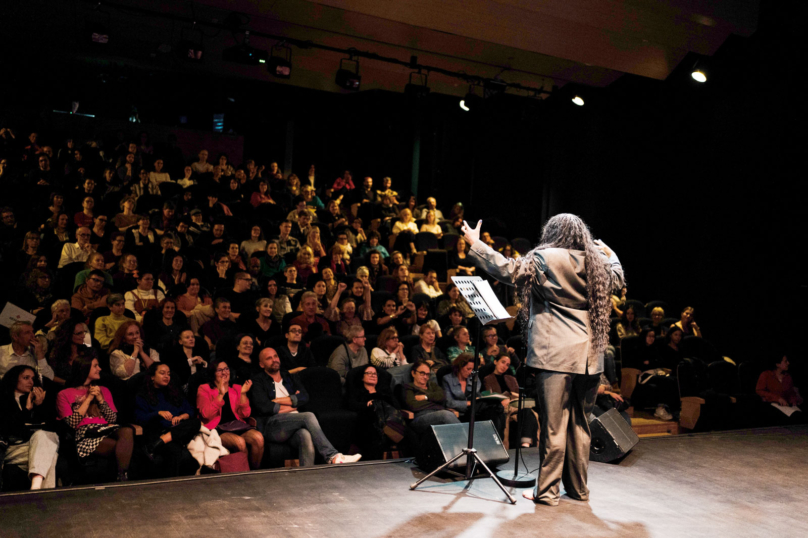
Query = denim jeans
x=303 y=431
x=424 y=419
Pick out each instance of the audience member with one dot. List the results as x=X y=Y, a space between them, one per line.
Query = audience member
x=389 y=350
x=274 y=400
x=24 y=350
x=427 y=401
x=350 y=354
x=88 y=408
x=107 y=326
x=226 y=409
x=687 y=323
x=501 y=382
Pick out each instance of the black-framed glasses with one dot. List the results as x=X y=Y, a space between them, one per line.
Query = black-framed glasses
x=222 y=370
x=371 y=374
x=296 y=331
x=419 y=372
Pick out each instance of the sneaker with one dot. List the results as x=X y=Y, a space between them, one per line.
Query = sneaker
x=662 y=413
x=342 y=458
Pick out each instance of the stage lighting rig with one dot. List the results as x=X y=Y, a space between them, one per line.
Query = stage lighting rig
x=471 y=100
x=418 y=85
x=280 y=61
x=244 y=54
x=350 y=80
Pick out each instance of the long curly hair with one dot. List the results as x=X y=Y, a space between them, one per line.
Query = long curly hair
x=569 y=231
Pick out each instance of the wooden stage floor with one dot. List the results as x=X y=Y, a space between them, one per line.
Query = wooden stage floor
x=733 y=484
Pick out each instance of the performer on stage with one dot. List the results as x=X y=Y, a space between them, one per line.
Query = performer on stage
x=565 y=285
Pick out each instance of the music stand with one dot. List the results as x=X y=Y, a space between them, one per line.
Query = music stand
x=489 y=311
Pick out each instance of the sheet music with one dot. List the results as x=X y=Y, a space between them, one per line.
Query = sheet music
x=481 y=299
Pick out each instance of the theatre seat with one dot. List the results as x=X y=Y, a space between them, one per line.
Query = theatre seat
x=326 y=402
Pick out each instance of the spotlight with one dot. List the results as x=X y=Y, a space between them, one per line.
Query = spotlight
x=244 y=54
x=350 y=80
x=417 y=86
x=578 y=100
x=700 y=71
x=280 y=61
x=470 y=100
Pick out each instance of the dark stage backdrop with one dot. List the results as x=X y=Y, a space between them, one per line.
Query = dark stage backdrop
x=700 y=190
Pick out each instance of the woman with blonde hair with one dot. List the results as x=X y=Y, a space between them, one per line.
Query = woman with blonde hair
x=431 y=224
x=304 y=264
x=406 y=229
x=314 y=243
x=127 y=218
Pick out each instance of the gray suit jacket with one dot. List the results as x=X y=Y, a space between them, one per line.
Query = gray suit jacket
x=558 y=336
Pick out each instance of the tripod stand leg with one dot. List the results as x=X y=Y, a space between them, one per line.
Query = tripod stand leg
x=442 y=467
x=492 y=475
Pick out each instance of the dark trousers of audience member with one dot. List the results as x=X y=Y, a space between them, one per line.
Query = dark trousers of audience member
x=566 y=401
x=659 y=389
x=120 y=444
x=372 y=446
x=528 y=426
x=303 y=431
x=488 y=411
x=774 y=417
x=173 y=458
x=423 y=420
x=609 y=368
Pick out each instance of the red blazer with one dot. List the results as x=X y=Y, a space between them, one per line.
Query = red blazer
x=210 y=409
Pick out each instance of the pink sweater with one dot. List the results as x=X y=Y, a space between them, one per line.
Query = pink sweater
x=67 y=397
x=210 y=408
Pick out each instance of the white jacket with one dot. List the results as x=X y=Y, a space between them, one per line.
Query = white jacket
x=206 y=448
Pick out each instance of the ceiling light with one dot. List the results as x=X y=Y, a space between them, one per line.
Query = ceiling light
x=578 y=100
x=418 y=85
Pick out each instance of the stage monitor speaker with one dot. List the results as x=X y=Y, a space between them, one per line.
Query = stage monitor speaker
x=448 y=440
x=612 y=437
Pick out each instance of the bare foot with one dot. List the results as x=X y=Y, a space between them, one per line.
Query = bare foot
x=528 y=494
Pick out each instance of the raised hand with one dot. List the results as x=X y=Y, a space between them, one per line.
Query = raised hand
x=245 y=388
x=471 y=235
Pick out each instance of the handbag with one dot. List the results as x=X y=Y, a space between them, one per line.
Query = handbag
x=234 y=426
x=235 y=462
x=389 y=421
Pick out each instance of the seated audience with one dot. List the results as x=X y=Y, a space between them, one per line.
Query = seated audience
x=458 y=395
x=458 y=259
x=309 y=304
x=107 y=326
x=429 y=285
x=88 y=409
x=220 y=325
x=69 y=344
x=188 y=360
x=226 y=409
x=169 y=422
x=144 y=297
x=379 y=411
x=776 y=386
x=25 y=417
x=389 y=350
x=427 y=401
x=24 y=350
x=294 y=355
x=92 y=294
x=351 y=354
x=129 y=353
x=628 y=325
x=687 y=323
x=274 y=400
x=462 y=343
x=501 y=382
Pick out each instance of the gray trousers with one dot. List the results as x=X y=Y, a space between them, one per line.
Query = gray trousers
x=37 y=456
x=566 y=400
x=303 y=431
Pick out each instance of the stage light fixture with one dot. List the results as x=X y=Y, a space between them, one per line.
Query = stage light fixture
x=244 y=54
x=578 y=100
x=699 y=76
x=350 y=80
x=470 y=101
x=418 y=85
x=280 y=61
